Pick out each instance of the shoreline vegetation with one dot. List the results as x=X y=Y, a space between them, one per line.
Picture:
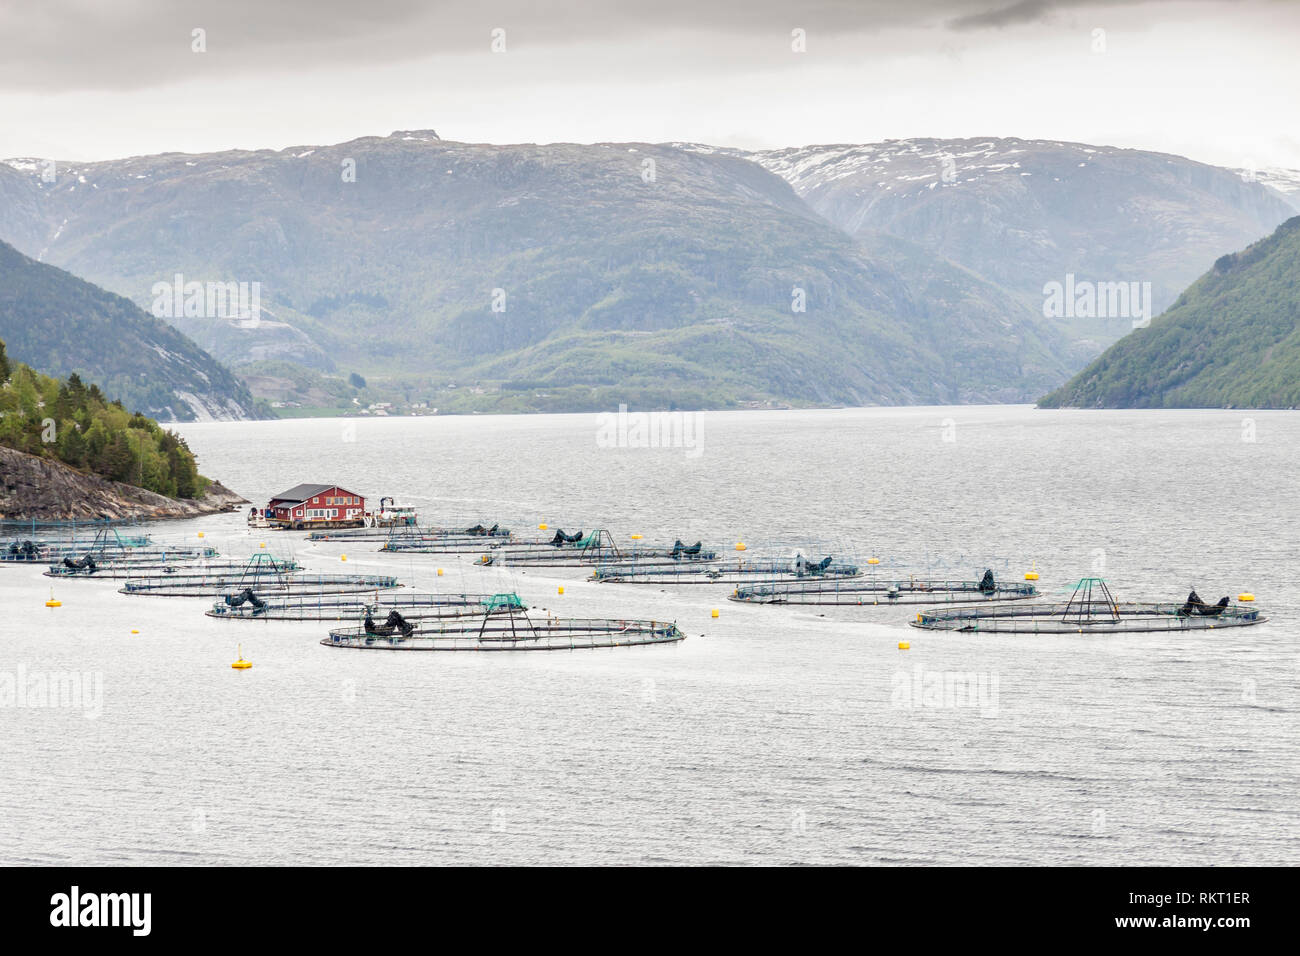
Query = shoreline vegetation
x=66 y=451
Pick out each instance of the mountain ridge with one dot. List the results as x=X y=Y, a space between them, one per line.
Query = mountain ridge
x=676 y=273
x=659 y=270
x=1025 y=212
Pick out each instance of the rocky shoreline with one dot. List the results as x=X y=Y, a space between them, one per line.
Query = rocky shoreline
x=42 y=489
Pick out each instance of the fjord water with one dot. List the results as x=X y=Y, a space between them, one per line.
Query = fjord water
x=771 y=735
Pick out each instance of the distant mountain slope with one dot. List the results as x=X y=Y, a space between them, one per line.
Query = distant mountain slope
x=59 y=324
x=1231 y=340
x=1285 y=182
x=1022 y=213
x=623 y=269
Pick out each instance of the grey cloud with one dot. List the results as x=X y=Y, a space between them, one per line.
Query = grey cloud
x=995 y=16
x=1026 y=11
x=57 y=45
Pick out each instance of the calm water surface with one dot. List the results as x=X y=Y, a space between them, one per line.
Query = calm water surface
x=772 y=735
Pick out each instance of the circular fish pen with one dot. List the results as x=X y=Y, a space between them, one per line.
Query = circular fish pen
x=72 y=542
x=349 y=607
x=1092 y=609
x=129 y=557
x=455 y=544
x=107 y=547
x=413 y=533
x=856 y=592
x=86 y=567
x=579 y=550
x=504 y=625
x=24 y=537
x=263 y=573
x=285 y=586
x=747 y=572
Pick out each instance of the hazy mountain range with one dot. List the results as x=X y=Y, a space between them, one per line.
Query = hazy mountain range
x=576 y=276
x=1023 y=213
x=1285 y=182
x=60 y=324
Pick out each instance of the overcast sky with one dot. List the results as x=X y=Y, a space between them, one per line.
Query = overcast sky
x=1217 y=80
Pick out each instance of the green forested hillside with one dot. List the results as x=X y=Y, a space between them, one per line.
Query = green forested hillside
x=1232 y=340
x=74 y=423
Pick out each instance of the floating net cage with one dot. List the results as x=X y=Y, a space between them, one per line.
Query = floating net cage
x=348 y=607
x=415 y=534
x=262 y=573
x=69 y=529
x=107 y=545
x=456 y=544
x=750 y=571
x=1091 y=609
x=174 y=571
x=72 y=542
x=504 y=625
x=871 y=591
x=271 y=588
x=598 y=548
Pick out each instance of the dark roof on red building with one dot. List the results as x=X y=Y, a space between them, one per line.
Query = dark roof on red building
x=299 y=493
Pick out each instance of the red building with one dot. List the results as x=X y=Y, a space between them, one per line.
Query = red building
x=306 y=506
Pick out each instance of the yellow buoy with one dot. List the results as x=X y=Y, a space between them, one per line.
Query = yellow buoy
x=636 y=537
x=440 y=572
x=200 y=534
x=559 y=590
x=261 y=544
x=904 y=645
x=343 y=557
x=873 y=560
x=740 y=546
x=1245 y=596
x=541 y=527
x=241 y=664
x=1032 y=573
x=715 y=612
x=134 y=631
